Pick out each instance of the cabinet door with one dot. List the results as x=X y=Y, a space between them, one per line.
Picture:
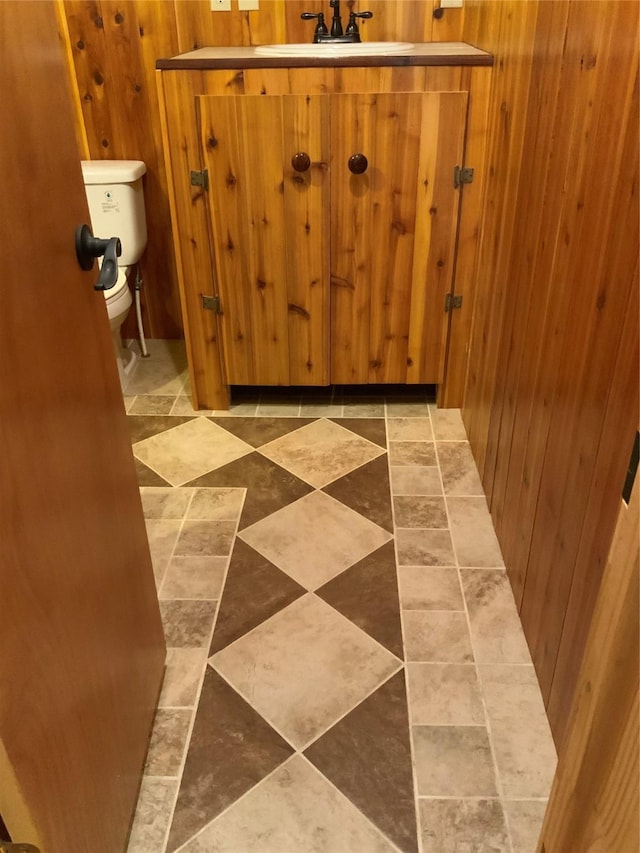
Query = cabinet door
x=270 y=234
x=393 y=234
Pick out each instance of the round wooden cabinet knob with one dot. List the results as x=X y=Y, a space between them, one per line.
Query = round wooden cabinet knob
x=358 y=164
x=301 y=161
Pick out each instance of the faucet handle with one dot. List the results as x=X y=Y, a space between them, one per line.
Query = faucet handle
x=321 y=27
x=352 y=26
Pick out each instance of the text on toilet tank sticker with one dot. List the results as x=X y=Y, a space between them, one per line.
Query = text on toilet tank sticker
x=109 y=203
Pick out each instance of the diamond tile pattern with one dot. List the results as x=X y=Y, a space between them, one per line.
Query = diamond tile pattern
x=301 y=695
x=327 y=644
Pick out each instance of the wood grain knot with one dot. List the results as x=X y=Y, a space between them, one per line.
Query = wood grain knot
x=118 y=17
x=298 y=309
x=231 y=180
x=261 y=284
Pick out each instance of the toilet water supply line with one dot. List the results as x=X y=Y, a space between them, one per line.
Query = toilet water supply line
x=138 y=288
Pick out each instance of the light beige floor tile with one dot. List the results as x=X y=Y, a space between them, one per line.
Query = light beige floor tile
x=237 y=410
x=418 y=547
x=304 y=668
x=183 y=671
x=315 y=538
x=189 y=450
x=457 y=465
x=436 y=636
x=194 y=577
x=353 y=409
x=463 y=826
x=293 y=810
x=415 y=480
x=409 y=429
x=204 y=538
x=522 y=741
x=146 y=404
x=429 y=588
x=472 y=531
x=168 y=742
x=412 y=453
x=182 y=405
x=400 y=409
x=447 y=424
x=420 y=511
x=128 y=402
x=217 y=504
x=496 y=630
x=273 y=409
x=453 y=761
x=162 y=534
x=525 y=818
x=321 y=452
x=153 y=813
x=164 y=373
x=160 y=502
x=321 y=410
x=444 y=695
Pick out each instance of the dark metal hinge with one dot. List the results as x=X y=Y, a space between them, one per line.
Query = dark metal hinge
x=451 y=302
x=200 y=179
x=212 y=303
x=462 y=175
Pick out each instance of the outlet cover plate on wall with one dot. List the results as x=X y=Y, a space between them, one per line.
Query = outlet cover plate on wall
x=248 y=5
x=220 y=5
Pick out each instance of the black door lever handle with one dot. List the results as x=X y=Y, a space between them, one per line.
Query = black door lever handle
x=88 y=248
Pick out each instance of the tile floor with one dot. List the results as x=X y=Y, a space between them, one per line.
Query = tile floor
x=346 y=671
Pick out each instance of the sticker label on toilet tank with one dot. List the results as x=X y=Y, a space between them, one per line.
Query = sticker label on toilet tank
x=109 y=203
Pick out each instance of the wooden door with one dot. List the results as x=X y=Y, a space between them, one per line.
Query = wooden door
x=270 y=234
x=81 y=645
x=393 y=234
x=595 y=800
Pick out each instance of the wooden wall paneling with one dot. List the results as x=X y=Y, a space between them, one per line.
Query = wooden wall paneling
x=116 y=88
x=548 y=132
x=65 y=41
x=477 y=82
x=197 y=26
x=599 y=282
x=448 y=27
x=594 y=800
x=191 y=232
x=135 y=117
x=621 y=413
x=509 y=32
x=86 y=34
x=306 y=212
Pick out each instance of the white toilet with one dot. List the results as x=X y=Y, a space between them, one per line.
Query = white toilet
x=116 y=206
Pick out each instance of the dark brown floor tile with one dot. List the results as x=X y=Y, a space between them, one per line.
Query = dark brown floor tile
x=367 y=491
x=254 y=591
x=144 y=426
x=259 y=431
x=367 y=594
x=147 y=477
x=367 y=755
x=232 y=748
x=373 y=429
x=270 y=487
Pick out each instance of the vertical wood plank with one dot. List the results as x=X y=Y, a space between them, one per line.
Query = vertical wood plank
x=306 y=216
x=437 y=202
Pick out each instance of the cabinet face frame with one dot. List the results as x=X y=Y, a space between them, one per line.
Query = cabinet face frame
x=190 y=217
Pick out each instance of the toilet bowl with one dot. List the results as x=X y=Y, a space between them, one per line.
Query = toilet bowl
x=118 y=301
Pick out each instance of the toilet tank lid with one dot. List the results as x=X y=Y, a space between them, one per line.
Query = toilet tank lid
x=112 y=171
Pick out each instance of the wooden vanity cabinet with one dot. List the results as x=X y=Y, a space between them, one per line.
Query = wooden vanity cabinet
x=319 y=274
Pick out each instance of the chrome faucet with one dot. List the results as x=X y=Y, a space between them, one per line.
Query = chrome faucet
x=337 y=35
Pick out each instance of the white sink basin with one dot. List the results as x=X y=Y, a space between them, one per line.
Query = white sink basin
x=310 y=50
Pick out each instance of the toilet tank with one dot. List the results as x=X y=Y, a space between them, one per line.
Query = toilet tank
x=116 y=203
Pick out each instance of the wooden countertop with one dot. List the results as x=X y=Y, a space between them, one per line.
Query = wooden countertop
x=429 y=53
